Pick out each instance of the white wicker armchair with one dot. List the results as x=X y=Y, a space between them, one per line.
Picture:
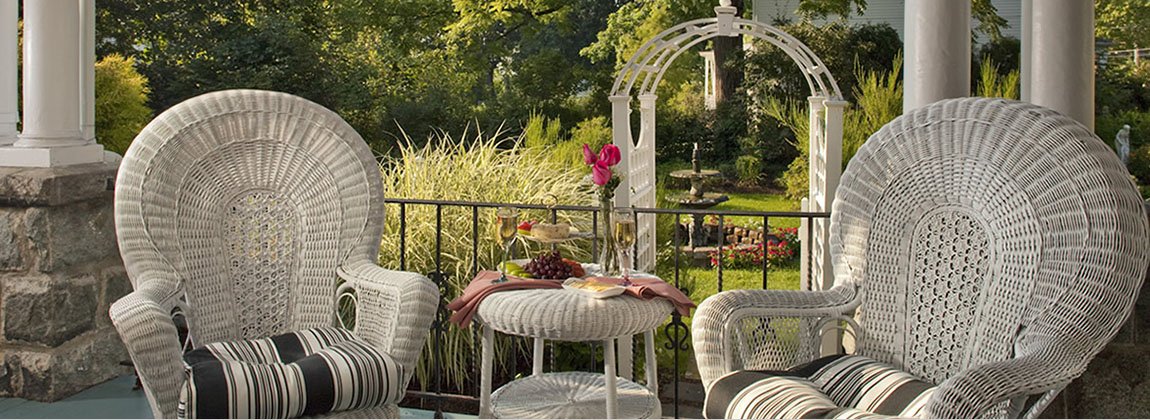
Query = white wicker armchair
x=244 y=209
x=991 y=247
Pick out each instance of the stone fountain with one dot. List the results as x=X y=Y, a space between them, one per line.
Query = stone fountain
x=697 y=198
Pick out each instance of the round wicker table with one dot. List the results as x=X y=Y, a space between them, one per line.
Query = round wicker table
x=566 y=315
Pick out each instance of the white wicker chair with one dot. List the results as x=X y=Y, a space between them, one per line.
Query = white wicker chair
x=243 y=209
x=989 y=246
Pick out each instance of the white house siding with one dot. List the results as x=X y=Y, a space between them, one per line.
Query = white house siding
x=884 y=11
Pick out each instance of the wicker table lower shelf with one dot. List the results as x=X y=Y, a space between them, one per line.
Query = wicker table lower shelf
x=570 y=395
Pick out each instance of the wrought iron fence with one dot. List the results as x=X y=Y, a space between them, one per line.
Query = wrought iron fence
x=676 y=332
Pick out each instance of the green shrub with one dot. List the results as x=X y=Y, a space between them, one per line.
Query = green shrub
x=1004 y=52
x=544 y=136
x=594 y=132
x=473 y=168
x=993 y=84
x=748 y=168
x=542 y=131
x=121 y=98
x=1108 y=125
x=878 y=100
x=1139 y=164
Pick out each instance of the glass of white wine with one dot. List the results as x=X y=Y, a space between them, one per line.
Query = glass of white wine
x=506 y=226
x=624 y=240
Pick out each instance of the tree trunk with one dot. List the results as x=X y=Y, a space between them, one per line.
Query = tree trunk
x=728 y=62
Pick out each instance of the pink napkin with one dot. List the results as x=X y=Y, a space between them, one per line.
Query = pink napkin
x=483 y=285
x=652 y=287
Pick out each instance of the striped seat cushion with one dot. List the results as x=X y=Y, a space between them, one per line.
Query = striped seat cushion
x=296 y=374
x=832 y=387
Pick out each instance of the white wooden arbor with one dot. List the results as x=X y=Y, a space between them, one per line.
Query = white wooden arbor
x=643 y=72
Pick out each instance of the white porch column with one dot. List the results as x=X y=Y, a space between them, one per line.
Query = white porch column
x=9 y=109
x=937 y=40
x=54 y=88
x=1062 y=57
x=1024 y=52
x=88 y=70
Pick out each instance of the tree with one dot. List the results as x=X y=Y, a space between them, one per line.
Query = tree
x=728 y=62
x=989 y=22
x=528 y=53
x=822 y=9
x=1126 y=23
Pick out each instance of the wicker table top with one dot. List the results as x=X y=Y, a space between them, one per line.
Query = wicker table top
x=567 y=315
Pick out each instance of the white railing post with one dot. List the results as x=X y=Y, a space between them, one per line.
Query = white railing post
x=805 y=247
x=642 y=186
x=833 y=155
x=825 y=169
x=9 y=108
x=621 y=138
x=816 y=184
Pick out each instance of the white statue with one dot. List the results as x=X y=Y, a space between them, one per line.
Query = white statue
x=1122 y=143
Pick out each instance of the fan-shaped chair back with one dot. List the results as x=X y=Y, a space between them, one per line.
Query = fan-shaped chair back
x=980 y=229
x=257 y=196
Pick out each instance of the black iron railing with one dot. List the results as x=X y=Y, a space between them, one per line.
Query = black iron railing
x=676 y=331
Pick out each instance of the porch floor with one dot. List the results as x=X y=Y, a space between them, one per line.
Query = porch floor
x=116 y=399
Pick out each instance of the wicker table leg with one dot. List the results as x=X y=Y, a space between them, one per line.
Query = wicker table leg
x=537 y=358
x=626 y=363
x=651 y=370
x=609 y=374
x=485 y=373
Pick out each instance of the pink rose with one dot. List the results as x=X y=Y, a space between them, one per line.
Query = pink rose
x=610 y=154
x=600 y=173
x=588 y=156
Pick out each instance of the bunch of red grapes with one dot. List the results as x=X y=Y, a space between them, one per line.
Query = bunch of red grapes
x=548 y=266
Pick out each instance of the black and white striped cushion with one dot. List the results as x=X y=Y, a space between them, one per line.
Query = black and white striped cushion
x=296 y=374
x=831 y=387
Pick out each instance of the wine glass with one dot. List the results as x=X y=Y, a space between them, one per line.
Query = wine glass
x=624 y=240
x=506 y=226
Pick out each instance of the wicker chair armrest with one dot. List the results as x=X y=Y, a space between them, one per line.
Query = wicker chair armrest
x=394 y=310
x=717 y=316
x=144 y=322
x=975 y=392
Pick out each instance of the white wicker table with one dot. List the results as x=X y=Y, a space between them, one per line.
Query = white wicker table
x=564 y=315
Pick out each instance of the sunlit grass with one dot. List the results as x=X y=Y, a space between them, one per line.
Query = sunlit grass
x=759 y=202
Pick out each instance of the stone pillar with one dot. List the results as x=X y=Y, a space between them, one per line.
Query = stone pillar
x=54 y=69
x=60 y=270
x=1062 y=57
x=9 y=111
x=937 y=42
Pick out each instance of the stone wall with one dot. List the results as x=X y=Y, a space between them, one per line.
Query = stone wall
x=1117 y=382
x=59 y=271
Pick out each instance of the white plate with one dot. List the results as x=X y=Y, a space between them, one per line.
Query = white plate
x=610 y=291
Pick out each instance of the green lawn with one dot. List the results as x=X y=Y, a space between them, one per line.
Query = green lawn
x=760 y=202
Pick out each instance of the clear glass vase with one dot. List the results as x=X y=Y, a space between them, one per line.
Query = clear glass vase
x=608 y=256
